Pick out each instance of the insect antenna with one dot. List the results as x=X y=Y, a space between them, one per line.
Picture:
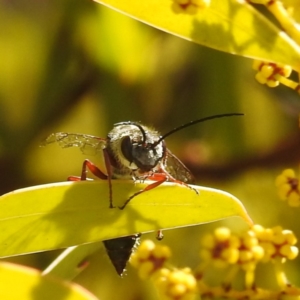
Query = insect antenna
x=193 y=123
x=137 y=125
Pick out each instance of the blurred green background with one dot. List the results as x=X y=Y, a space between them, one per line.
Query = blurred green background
x=79 y=67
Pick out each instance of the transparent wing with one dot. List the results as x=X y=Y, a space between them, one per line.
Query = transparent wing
x=88 y=144
x=177 y=169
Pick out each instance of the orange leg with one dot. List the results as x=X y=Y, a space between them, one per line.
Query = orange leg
x=147 y=188
x=159 y=178
x=87 y=164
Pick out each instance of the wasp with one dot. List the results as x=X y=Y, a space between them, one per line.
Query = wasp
x=130 y=151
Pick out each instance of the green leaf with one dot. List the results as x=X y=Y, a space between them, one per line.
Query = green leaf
x=18 y=282
x=72 y=261
x=227 y=25
x=71 y=213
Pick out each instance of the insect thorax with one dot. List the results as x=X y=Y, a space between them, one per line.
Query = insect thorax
x=131 y=152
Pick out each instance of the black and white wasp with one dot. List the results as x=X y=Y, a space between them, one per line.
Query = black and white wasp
x=131 y=151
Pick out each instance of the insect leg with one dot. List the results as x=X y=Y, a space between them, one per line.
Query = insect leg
x=92 y=167
x=87 y=164
x=109 y=175
x=149 y=187
x=170 y=178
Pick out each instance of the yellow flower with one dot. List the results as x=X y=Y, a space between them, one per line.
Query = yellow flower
x=149 y=258
x=288 y=187
x=179 y=284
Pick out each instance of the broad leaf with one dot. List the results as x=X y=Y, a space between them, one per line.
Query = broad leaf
x=227 y=25
x=72 y=261
x=71 y=213
x=23 y=283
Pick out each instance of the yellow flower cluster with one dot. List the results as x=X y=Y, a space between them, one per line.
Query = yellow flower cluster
x=190 y=7
x=221 y=249
x=177 y=284
x=149 y=258
x=287 y=13
x=276 y=242
x=288 y=187
x=271 y=74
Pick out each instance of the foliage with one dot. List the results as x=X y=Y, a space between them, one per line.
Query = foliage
x=78 y=66
x=45 y=217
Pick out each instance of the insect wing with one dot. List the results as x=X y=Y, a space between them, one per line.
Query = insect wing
x=177 y=169
x=88 y=144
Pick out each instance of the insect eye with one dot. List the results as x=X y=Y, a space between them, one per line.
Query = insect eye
x=126 y=148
